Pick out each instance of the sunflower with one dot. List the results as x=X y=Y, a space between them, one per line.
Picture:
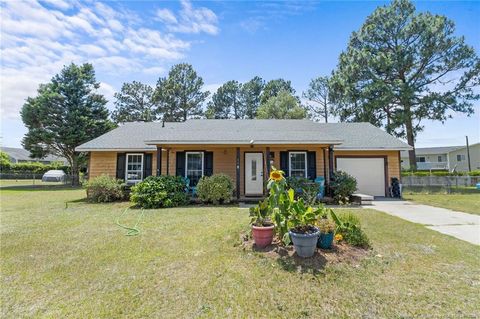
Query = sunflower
x=276 y=175
x=338 y=237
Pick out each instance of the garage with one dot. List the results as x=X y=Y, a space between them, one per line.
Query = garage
x=369 y=173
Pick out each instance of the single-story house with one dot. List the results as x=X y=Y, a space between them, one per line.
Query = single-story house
x=246 y=150
x=20 y=155
x=444 y=158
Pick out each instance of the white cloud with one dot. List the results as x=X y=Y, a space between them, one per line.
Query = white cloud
x=155 y=70
x=61 y=4
x=39 y=37
x=166 y=16
x=190 y=19
x=108 y=92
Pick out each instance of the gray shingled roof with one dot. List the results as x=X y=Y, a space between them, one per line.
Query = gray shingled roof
x=143 y=136
x=21 y=154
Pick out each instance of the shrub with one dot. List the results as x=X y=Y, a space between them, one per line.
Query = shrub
x=475 y=173
x=348 y=226
x=159 y=192
x=215 y=189
x=304 y=188
x=103 y=189
x=4 y=161
x=343 y=186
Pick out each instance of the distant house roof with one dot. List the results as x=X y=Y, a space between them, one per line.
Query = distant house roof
x=144 y=136
x=433 y=150
x=20 y=154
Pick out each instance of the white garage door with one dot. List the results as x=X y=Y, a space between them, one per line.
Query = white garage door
x=369 y=172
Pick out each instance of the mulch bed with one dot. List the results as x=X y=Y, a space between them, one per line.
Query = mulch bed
x=285 y=255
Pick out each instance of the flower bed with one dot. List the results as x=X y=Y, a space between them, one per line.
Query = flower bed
x=306 y=226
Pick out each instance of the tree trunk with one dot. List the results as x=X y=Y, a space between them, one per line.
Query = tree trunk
x=410 y=139
x=326 y=110
x=75 y=171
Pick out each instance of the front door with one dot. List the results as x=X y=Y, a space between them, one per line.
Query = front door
x=253 y=174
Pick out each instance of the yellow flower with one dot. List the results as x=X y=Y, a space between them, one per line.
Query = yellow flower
x=338 y=237
x=276 y=175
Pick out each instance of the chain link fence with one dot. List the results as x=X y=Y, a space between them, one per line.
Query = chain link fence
x=437 y=183
x=26 y=179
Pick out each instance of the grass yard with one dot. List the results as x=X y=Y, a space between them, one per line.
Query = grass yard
x=462 y=199
x=187 y=263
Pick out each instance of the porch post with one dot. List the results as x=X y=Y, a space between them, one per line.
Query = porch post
x=238 y=172
x=159 y=160
x=168 y=161
x=330 y=162
x=268 y=162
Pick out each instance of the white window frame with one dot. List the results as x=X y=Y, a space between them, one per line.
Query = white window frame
x=461 y=156
x=186 y=162
x=126 y=168
x=290 y=163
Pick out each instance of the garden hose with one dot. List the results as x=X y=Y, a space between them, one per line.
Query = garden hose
x=131 y=231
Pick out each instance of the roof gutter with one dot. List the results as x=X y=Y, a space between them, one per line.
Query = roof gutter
x=241 y=142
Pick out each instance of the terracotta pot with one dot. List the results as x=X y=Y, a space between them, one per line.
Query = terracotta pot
x=262 y=236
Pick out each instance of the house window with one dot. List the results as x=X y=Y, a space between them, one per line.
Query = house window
x=460 y=157
x=194 y=167
x=134 y=169
x=439 y=159
x=420 y=159
x=298 y=164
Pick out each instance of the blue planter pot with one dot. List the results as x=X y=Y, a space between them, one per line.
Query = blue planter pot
x=304 y=244
x=325 y=241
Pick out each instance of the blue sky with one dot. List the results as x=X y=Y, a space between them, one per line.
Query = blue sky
x=141 y=40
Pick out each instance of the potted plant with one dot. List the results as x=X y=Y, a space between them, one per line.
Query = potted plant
x=303 y=233
x=327 y=230
x=262 y=226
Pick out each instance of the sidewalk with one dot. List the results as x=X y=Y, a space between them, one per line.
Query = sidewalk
x=457 y=224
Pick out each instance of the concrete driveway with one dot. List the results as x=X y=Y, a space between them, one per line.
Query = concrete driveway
x=457 y=224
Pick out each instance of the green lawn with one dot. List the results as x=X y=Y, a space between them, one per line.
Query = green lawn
x=187 y=263
x=462 y=199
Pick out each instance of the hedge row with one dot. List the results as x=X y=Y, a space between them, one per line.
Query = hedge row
x=32 y=167
x=441 y=173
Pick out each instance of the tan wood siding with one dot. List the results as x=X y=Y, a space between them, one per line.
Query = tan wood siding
x=106 y=163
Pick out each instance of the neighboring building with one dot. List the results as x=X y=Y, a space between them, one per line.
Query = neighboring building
x=444 y=158
x=246 y=149
x=20 y=155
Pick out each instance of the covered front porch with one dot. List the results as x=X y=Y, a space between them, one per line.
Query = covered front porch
x=248 y=165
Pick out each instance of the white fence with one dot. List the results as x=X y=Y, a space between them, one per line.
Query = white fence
x=443 y=181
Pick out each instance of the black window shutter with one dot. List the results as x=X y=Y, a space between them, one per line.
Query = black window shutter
x=312 y=165
x=208 y=163
x=180 y=166
x=284 y=162
x=147 y=165
x=120 y=166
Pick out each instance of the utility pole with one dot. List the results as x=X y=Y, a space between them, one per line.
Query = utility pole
x=468 y=155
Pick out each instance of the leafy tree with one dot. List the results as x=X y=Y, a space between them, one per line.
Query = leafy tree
x=274 y=87
x=282 y=106
x=403 y=67
x=251 y=92
x=318 y=93
x=226 y=102
x=134 y=103
x=66 y=113
x=179 y=95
